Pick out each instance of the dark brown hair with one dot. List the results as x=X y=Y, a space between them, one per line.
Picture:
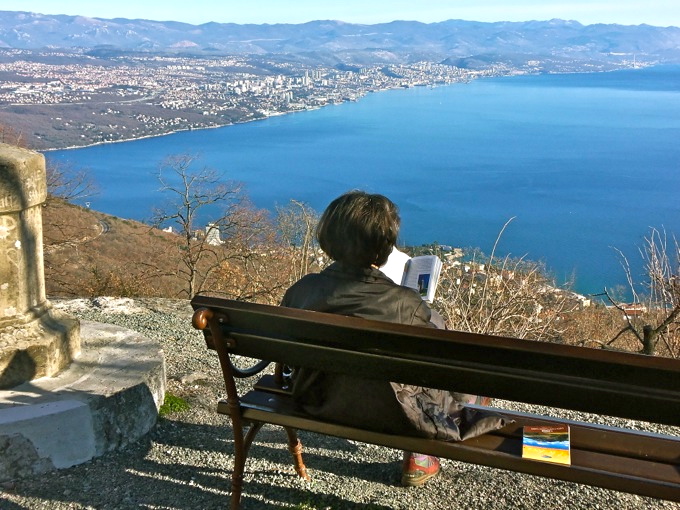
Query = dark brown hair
x=359 y=229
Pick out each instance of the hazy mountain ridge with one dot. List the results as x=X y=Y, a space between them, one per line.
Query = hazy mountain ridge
x=400 y=40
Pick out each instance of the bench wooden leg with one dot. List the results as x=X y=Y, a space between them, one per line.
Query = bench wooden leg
x=295 y=448
x=240 y=453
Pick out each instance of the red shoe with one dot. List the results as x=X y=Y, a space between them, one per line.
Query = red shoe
x=484 y=401
x=418 y=469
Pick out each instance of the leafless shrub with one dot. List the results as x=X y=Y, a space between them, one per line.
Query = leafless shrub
x=295 y=224
x=66 y=182
x=653 y=317
x=11 y=136
x=502 y=296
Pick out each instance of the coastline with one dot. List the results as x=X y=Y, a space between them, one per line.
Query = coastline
x=463 y=80
x=265 y=117
x=107 y=142
x=183 y=130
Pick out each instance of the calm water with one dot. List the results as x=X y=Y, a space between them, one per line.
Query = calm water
x=583 y=163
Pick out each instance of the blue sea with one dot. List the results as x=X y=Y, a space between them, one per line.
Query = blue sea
x=582 y=164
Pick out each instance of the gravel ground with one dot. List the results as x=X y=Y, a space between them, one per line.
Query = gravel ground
x=185 y=461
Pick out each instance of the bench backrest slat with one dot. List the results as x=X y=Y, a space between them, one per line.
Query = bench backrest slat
x=592 y=380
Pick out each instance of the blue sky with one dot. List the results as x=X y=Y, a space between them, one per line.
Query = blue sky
x=626 y=12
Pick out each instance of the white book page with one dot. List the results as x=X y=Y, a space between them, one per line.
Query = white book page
x=395 y=266
x=422 y=274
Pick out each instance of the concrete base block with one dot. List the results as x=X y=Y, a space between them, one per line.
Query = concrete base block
x=107 y=398
x=40 y=348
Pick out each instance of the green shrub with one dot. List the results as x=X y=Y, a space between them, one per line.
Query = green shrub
x=172 y=404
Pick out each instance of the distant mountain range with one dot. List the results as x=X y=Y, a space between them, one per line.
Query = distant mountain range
x=398 y=41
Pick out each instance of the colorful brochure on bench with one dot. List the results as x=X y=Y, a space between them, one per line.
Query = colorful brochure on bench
x=549 y=443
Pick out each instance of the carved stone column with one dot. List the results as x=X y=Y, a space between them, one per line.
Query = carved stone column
x=33 y=341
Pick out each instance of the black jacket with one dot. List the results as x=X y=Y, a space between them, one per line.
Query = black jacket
x=353 y=400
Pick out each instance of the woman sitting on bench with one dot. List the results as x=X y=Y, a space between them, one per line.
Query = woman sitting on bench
x=358 y=231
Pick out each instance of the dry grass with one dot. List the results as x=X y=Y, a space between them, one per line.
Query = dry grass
x=88 y=253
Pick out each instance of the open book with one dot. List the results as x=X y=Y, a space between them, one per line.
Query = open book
x=420 y=273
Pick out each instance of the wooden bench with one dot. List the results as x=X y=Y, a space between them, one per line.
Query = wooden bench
x=591 y=380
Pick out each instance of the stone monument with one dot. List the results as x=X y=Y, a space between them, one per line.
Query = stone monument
x=68 y=391
x=33 y=342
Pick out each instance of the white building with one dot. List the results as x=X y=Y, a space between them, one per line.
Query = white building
x=212 y=235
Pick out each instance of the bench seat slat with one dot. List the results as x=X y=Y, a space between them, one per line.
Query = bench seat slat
x=586 y=436
x=501 y=449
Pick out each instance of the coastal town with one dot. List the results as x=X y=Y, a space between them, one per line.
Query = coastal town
x=59 y=99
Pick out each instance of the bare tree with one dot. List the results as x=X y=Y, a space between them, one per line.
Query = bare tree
x=235 y=254
x=193 y=197
x=653 y=317
x=276 y=254
x=64 y=184
x=11 y=136
x=63 y=181
x=68 y=183
x=63 y=227
x=296 y=224
x=254 y=267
